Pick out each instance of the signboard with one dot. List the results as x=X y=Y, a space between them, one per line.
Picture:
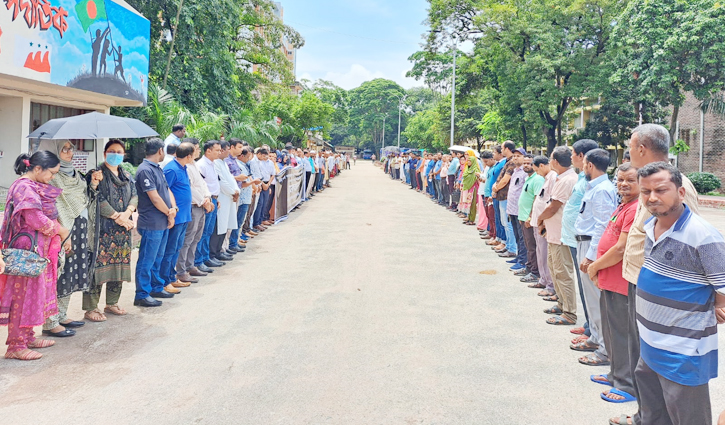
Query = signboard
x=96 y=45
x=289 y=189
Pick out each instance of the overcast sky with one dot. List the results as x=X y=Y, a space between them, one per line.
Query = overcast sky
x=352 y=41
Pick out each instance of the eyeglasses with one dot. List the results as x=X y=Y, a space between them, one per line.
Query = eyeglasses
x=67 y=150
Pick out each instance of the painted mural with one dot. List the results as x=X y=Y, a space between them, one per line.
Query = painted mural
x=96 y=45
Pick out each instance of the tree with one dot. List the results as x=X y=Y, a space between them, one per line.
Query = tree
x=311 y=112
x=422 y=131
x=372 y=108
x=670 y=47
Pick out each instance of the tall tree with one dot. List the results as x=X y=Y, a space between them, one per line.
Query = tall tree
x=374 y=108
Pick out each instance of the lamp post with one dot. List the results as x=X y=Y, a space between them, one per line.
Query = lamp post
x=400 y=108
x=453 y=92
x=383 y=148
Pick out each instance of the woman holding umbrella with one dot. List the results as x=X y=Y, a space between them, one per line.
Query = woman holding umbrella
x=470 y=187
x=77 y=211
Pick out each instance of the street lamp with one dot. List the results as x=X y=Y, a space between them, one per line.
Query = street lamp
x=401 y=99
x=383 y=148
x=453 y=92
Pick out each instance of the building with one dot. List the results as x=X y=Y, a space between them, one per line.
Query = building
x=66 y=59
x=285 y=47
x=704 y=134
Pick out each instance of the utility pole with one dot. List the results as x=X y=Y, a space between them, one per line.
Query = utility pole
x=383 y=148
x=453 y=93
x=173 y=39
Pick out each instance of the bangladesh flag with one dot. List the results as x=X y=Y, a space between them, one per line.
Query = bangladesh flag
x=90 y=11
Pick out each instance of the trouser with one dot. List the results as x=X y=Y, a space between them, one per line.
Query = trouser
x=491 y=215
x=174 y=243
x=419 y=179
x=268 y=206
x=664 y=402
x=54 y=320
x=521 y=257
x=18 y=336
x=445 y=193
x=532 y=263
x=411 y=178
x=508 y=227
x=307 y=180
x=451 y=181
x=320 y=180
x=500 y=229
x=259 y=212
x=216 y=241
x=150 y=253
x=633 y=346
x=542 y=260
x=194 y=230
x=615 y=323
x=590 y=293
x=93 y=296
x=310 y=183
x=241 y=216
x=581 y=289
x=202 y=248
x=250 y=213
x=562 y=270
x=482 y=221
x=474 y=204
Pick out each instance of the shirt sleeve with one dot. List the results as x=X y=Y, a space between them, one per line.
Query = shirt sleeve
x=711 y=255
x=628 y=219
x=170 y=175
x=147 y=180
x=603 y=205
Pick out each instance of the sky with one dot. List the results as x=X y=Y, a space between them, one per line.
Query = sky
x=352 y=41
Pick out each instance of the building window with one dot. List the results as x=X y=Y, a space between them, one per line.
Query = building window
x=41 y=113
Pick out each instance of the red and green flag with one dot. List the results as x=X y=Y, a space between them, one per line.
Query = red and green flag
x=90 y=12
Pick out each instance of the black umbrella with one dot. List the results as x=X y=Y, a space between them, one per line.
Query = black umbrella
x=93 y=125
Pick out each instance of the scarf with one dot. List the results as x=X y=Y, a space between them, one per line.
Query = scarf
x=26 y=194
x=74 y=199
x=469 y=175
x=55 y=147
x=117 y=190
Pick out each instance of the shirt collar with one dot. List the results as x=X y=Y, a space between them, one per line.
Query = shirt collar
x=598 y=180
x=679 y=224
x=155 y=164
x=176 y=160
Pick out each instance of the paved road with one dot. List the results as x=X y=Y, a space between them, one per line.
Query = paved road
x=368 y=306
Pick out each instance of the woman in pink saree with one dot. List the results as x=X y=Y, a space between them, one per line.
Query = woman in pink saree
x=27 y=302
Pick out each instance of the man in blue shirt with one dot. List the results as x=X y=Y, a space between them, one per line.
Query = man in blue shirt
x=497 y=170
x=429 y=175
x=437 y=178
x=412 y=165
x=451 y=178
x=598 y=204
x=179 y=184
x=156 y=214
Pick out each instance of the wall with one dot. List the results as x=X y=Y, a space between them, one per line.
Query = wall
x=14 y=122
x=689 y=131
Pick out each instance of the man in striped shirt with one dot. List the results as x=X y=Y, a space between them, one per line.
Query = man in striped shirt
x=680 y=300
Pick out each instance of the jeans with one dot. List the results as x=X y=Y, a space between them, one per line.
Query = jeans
x=500 y=230
x=270 y=201
x=520 y=243
x=320 y=178
x=259 y=212
x=509 y=228
x=241 y=216
x=202 y=248
x=171 y=252
x=150 y=253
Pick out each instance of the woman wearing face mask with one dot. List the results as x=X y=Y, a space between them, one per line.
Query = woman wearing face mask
x=26 y=302
x=77 y=211
x=117 y=202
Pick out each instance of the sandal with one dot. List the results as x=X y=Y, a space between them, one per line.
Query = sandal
x=622 y=420
x=578 y=331
x=593 y=360
x=545 y=293
x=115 y=309
x=559 y=320
x=552 y=298
x=41 y=343
x=584 y=346
x=553 y=310
x=95 y=315
x=23 y=355
x=626 y=396
x=580 y=338
x=600 y=379
x=537 y=285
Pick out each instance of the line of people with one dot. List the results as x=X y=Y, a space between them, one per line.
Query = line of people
x=648 y=269
x=195 y=207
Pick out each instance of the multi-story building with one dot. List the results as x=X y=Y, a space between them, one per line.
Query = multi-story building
x=285 y=47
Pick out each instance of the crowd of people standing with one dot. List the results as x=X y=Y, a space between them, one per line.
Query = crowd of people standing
x=196 y=207
x=648 y=269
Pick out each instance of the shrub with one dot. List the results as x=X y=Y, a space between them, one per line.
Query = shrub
x=704 y=182
x=129 y=167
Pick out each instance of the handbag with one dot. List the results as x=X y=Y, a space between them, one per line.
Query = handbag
x=22 y=262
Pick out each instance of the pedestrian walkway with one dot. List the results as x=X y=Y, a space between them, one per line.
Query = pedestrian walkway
x=372 y=305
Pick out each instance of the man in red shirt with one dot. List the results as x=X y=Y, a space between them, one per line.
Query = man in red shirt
x=606 y=272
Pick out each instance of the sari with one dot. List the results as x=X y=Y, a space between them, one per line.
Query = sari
x=26 y=302
x=470 y=185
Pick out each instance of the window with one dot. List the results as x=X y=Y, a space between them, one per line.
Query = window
x=41 y=113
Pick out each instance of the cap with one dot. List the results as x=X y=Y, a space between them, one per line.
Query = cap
x=522 y=151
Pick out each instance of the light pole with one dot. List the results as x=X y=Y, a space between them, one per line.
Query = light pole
x=383 y=148
x=453 y=92
x=400 y=108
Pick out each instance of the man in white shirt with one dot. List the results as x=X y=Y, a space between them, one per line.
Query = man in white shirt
x=177 y=133
x=212 y=150
x=226 y=219
x=200 y=205
x=259 y=171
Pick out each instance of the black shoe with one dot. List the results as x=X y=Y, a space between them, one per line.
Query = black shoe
x=224 y=257
x=231 y=251
x=62 y=334
x=203 y=268
x=162 y=294
x=213 y=263
x=73 y=324
x=147 y=302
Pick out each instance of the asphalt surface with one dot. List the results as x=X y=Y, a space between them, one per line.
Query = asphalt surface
x=370 y=305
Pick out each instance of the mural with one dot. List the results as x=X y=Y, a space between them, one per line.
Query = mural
x=96 y=45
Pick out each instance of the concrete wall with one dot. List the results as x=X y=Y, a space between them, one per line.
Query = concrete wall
x=689 y=131
x=14 y=122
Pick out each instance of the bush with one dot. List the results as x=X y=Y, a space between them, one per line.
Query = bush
x=129 y=167
x=704 y=182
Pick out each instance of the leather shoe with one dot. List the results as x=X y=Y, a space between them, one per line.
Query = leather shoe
x=147 y=302
x=204 y=269
x=194 y=271
x=186 y=277
x=230 y=251
x=213 y=263
x=162 y=294
x=224 y=257
x=260 y=228
x=171 y=290
x=180 y=284
x=507 y=254
x=73 y=324
x=252 y=233
x=267 y=223
x=62 y=334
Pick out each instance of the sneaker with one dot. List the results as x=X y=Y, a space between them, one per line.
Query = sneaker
x=516 y=267
x=522 y=272
x=512 y=261
x=530 y=278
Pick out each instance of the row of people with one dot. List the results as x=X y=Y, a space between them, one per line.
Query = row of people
x=194 y=214
x=647 y=267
